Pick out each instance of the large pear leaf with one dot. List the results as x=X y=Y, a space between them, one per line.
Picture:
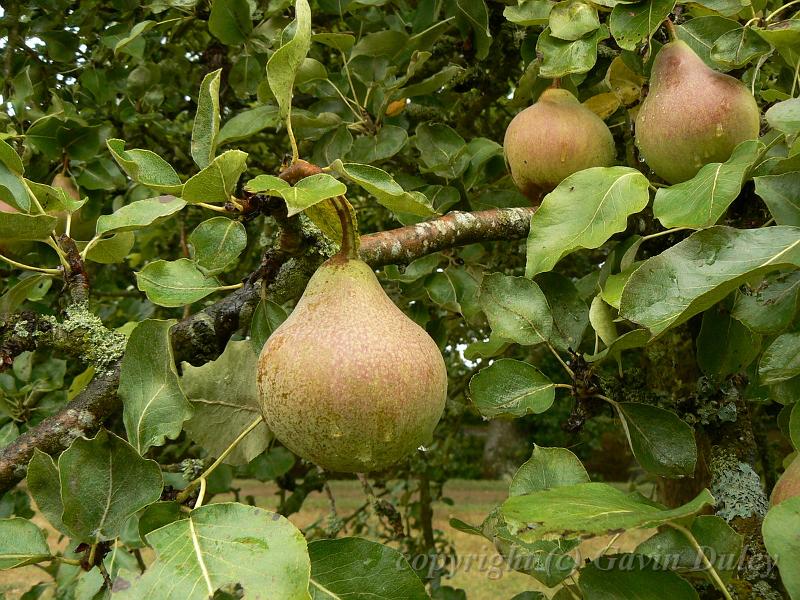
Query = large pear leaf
x=216 y=243
x=146 y=167
x=283 y=65
x=359 y=569
x=175 y=282
x=139 y=214
x=770 y=305
x=529 y=12
x=661 y=442
x=103 y=482
x=267 y=316
x=217 y=181
x=154 y=407
x=516 y=309
x=720 y=542
x=247 y=123
x=19 y=226
x=702 y=200
x=225 y=400
x=547 y=468
x=573 y=19
x=223 y=544
x=633 y=24
x=779 y=192
x=631 y=577
x=112 y=249
x=699 y=271
x=570 y=313
x=206 y=121
x=511 y=388
x=21 y=543
x=562 y=57
x=584 y=211
x=781 y=360
x=304 y=194
x=725 y=346
x=780 y=529
x=230 y=21
x=385 y=189
x=45 y=488
x=593 y=509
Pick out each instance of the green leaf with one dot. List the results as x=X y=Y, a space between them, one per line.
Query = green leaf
x=340 y=41
x=442 y=150
x=529 y=12
x=430 y=85
x=572 y=19
x=627 y=341
x=701 y=270
x=217 y=181
x=245 y=76
x=779 y=193
x=248 y=123
x=593 y=509
x=359 y=569
x=633 y=24
x=643 y=579
x=305 y=193
x=734 y=49
x=661 y=441
x=415 y=270
x=19 y=292
x=225 y=403
x=475 y=15
x=19 y=226
x=136 y=32
x=671 y=549
x=598 y=202
x=780 y=537
x=12 y=190
x=785 y=116
x=700 y=33
x=603 y=321
x=570 y=313
x=10 y=158
x=266 y=318
x=725 y=346
x=562 y=57
x=54 y=199
x=45 y=488
x=216 y=243
x=112 y=250
x=547 y=468
x=781 y=360
x=146 y=167
x=385 y=144
x=103 y=482
x=175 y=283
x=511 y=388
x=271 y=464
x=284 y=63
x=139 y=214
x=230 y=21
x=702 y=200
x=770 y=305
x=516 y=309
x=206 y=121
x=21 y=543
x=385 y=189
x=154 y=407
x=220 y=545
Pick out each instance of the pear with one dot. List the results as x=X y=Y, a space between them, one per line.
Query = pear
x=554 y=138
x=788 y=485
x=348 y=381
x=692 y=115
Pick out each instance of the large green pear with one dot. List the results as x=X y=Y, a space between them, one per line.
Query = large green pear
x=348 y=381
x=692 y=115
x=556 y=137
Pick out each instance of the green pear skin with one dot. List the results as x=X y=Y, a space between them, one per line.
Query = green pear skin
x=348 y=381
x=692 y=115
x=556 y=137
x=788 y=485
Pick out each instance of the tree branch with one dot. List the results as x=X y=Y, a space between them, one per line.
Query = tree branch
x=202 y=336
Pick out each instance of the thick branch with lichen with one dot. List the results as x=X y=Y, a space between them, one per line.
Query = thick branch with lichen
x=202 y=336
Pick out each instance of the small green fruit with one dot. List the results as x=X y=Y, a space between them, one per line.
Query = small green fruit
x=348 y=381
x=556 y=137
x=692 y=115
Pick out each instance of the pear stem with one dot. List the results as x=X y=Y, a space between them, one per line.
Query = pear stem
x=671 y=31
x=349 y=247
